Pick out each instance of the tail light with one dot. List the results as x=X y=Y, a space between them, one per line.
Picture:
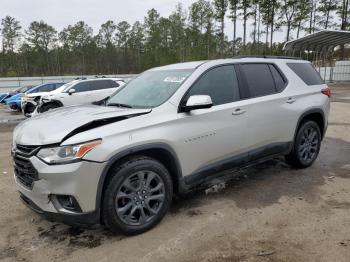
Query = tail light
x=327 y=91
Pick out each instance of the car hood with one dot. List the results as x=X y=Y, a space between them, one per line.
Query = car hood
x=14 y=97
x=57 y=125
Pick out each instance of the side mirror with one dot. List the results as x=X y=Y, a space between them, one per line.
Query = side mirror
x=71 y=91
x=197 y=102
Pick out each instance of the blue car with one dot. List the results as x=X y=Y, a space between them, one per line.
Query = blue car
x=22 y=89
x=2 y=96
x=14 y=102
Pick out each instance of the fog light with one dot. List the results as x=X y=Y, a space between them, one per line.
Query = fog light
x=69 y=203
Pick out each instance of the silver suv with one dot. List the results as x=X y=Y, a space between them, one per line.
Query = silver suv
x=170 y=130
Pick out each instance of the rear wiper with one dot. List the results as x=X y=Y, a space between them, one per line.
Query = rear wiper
x=119 y=105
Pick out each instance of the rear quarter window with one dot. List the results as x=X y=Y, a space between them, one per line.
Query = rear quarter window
x=307 y=73
x=280 y=82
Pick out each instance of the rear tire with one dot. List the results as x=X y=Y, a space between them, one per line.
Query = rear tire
x=137 y=196
x=306 y=146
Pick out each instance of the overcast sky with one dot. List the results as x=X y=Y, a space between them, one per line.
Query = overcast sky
x=60 y=13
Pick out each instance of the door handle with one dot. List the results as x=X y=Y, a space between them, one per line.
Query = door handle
x=238 y=111
x=291 y=100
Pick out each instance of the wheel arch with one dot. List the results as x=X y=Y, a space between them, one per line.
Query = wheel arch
x=159 y=151
x=316 y=115
x=54 y=101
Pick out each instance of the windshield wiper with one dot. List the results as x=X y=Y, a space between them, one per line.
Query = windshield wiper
x=119 y=105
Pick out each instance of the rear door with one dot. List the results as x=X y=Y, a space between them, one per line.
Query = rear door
x=270 y=113
x=100 y=89
x=108 y=88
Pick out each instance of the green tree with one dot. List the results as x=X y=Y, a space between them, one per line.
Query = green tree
x=343 y=11
x=313 y=15
x=326 y=8
x=41 y=37
x=76 y=36
x=11 y=32
x=233 y=6
x=177 y=22
x=245 y=6
x=200 y=29
x=122 y=39
x=136 y=42
x=220 y=7
x=288 y=14
x=77 y=40
x=302 y=13
x=152 y=34
x=269 y=9
x=106 y=33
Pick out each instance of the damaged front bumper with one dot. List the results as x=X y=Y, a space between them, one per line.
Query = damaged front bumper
x=54 y=183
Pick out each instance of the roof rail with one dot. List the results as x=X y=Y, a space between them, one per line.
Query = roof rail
x=267 y=56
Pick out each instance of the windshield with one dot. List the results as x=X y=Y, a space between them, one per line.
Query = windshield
x=25 y=89
x=150 y=89
x=68 y=85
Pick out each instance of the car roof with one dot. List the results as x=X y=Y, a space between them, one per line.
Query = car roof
x=185 y=65
x=258 y=59
x=102 y=78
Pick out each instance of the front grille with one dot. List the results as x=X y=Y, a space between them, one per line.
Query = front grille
x=26 y=149
x=24 y=170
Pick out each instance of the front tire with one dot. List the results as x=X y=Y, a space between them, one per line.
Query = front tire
x=306 y=146
x=137 y=196
x=48 y=107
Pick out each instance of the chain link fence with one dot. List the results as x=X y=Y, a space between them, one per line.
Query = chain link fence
x=335 y=71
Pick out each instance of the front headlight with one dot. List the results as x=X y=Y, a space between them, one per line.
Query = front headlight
x=66 y=154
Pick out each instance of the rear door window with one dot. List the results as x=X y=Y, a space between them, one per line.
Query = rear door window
x=101 y=84
x=259 y=79
x=307 y=73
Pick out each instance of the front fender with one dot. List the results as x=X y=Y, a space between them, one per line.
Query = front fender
x=132 y=151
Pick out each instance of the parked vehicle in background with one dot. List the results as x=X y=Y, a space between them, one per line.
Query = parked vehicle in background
x=79 y=92
x=30 y=100
x=7 y=95
x=15 y=101
x=2 y=96
x=170 y=130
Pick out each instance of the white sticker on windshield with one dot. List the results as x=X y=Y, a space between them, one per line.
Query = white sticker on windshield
x=174 y=79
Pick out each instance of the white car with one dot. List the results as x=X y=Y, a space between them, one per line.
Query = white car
x=80 y=92
x=31 y=99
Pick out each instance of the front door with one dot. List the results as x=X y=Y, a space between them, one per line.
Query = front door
x=211 y=138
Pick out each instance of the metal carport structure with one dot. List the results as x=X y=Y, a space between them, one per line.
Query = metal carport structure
x=320 y=47
x=321 y=42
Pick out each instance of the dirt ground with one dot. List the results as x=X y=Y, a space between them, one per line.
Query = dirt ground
x=267 y=213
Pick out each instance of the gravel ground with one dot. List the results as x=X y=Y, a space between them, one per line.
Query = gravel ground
x=267 y=213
